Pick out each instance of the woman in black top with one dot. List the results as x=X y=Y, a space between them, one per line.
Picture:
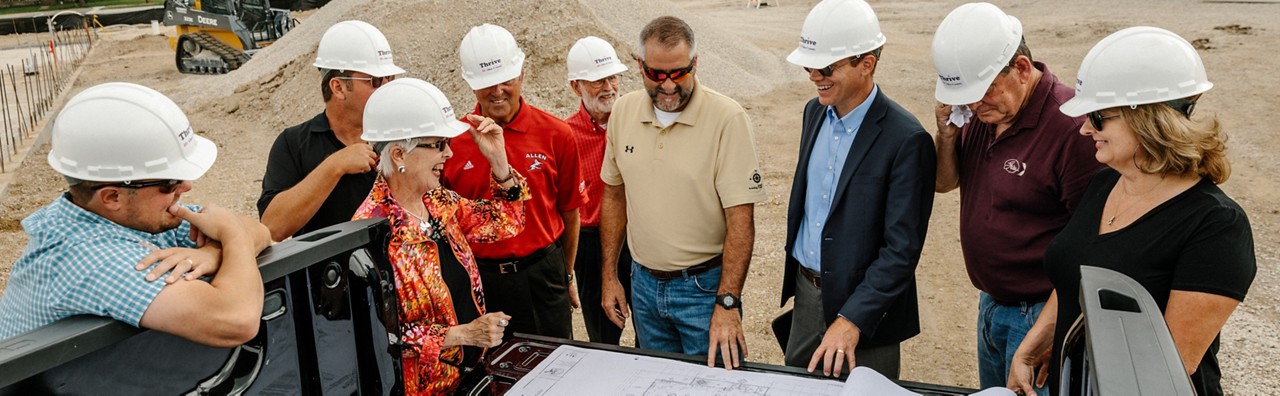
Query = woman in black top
x=1156 y=214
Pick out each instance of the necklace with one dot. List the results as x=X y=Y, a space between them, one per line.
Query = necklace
x=1135 y=202
x=422 y=222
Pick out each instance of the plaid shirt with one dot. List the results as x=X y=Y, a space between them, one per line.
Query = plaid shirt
x=591 y=140
x=78 y=262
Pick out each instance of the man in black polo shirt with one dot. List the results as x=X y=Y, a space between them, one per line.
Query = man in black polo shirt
x=324 y=156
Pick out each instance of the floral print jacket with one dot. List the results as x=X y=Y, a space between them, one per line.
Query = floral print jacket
x=426 y=303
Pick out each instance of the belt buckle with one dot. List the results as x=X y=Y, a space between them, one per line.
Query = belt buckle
x=508 y=267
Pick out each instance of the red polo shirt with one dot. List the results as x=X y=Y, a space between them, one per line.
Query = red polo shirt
x=540 y=147
x=591 y=140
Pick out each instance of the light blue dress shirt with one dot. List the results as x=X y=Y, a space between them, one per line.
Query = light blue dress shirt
x=826 y=162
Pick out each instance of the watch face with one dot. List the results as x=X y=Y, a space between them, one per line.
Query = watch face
x=729 y=301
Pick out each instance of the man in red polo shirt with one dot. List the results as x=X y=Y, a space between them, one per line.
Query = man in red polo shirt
x=527 y=276
x=593 y=76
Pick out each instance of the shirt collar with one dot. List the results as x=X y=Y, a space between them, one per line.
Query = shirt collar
x=691 y=112
x=319 y=123
x=585 y=116
x=1029 y=116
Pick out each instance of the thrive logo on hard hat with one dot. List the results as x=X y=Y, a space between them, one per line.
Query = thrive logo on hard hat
x=489 y=56
x=117 y=132
x=835 y=30
x=971 y=47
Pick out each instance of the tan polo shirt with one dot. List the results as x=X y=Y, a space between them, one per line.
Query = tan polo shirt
x=680 y=178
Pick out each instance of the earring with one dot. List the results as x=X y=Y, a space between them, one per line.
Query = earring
x=401 y=169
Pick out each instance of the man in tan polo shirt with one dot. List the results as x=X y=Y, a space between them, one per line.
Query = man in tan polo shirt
x=681 y=165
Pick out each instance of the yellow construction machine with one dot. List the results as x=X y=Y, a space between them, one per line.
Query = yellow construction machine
x=217 y=36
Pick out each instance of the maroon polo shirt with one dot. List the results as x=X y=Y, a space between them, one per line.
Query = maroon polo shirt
x=1018 y=191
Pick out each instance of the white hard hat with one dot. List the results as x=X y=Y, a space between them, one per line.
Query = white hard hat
x=356 y=46
x=834 y=30
x=972 y=45
x=122 y=132
x=409 y=108
x=1135 y=66
x=592 y=59
x=489 y=56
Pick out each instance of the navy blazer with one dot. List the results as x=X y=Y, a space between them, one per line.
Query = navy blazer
x=873 y=236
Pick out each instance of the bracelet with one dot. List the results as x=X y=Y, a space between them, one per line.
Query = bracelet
x=511 y=173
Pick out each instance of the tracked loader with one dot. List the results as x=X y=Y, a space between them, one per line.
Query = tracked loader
x=217 y=36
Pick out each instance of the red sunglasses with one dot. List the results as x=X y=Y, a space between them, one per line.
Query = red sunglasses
x=660 y=76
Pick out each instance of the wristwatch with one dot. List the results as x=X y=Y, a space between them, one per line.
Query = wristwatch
x=728 y=301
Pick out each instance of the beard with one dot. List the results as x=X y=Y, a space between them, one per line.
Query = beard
x=601 y=103
x=670 y=106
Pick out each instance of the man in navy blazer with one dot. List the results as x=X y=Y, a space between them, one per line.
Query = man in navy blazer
x=860 y=203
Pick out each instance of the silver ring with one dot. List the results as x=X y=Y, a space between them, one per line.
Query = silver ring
x=502 y=322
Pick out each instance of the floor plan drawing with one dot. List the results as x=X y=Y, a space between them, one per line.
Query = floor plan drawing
x=579 y=371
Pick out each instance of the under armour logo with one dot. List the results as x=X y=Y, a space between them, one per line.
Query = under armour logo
x=630 y=149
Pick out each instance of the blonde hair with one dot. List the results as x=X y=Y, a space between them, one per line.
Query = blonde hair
x=1175 y=144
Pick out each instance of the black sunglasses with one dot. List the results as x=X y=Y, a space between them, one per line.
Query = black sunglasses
x=1096 y=119
x=376 y=82
x=438 y=145
x=661 y=76
x=166 y=186
x=827 y=71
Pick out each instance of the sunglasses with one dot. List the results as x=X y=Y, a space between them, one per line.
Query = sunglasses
x=827 y=71
x=376 y=82
x=166 y=186
x=438 y=145
x=660 y=76
x=1096 y=119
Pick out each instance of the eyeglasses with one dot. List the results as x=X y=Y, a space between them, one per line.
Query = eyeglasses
x=1096 y=119
x=827 y=71
x=376 y=82
x=661 y=76
x=166 y=186
x=438 y=145
x=611 y=80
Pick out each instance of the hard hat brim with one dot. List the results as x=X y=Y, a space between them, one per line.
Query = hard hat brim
x=602 y=74
x=383 y=71
x=961 y=96
x=812 y=61
x=191 y=166
x=479 y=83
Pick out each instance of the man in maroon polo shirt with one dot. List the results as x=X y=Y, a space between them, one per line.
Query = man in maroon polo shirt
x=593 y=75
x=527 y=276
x=1020 y=166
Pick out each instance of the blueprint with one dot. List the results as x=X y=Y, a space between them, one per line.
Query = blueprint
x=579 y=371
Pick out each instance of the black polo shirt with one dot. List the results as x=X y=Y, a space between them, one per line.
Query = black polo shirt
x=299 y=150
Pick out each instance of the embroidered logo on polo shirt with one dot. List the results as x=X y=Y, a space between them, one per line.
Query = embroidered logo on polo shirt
x=630 y=149
x=468 y=165
x=538 y=159
x=1016 y=167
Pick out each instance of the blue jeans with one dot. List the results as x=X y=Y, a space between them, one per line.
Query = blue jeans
x=673 y=315
x=1001 y=329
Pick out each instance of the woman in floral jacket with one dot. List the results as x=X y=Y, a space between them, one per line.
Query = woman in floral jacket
x=443 y=323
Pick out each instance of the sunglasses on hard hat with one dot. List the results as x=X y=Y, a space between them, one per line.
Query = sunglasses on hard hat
x=661 y=76
x=830 y=69
x=438 y=145
x=165 y=186
x=376 y=82
x=1096 y=119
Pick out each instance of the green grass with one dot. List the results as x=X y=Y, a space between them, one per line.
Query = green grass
x=69 y=4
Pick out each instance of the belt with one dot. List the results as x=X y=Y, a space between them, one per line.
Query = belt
x=811 y=276
x=516 y=264
x=708 y=265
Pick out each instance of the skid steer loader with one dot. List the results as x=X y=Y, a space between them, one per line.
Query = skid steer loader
x=217 y=36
